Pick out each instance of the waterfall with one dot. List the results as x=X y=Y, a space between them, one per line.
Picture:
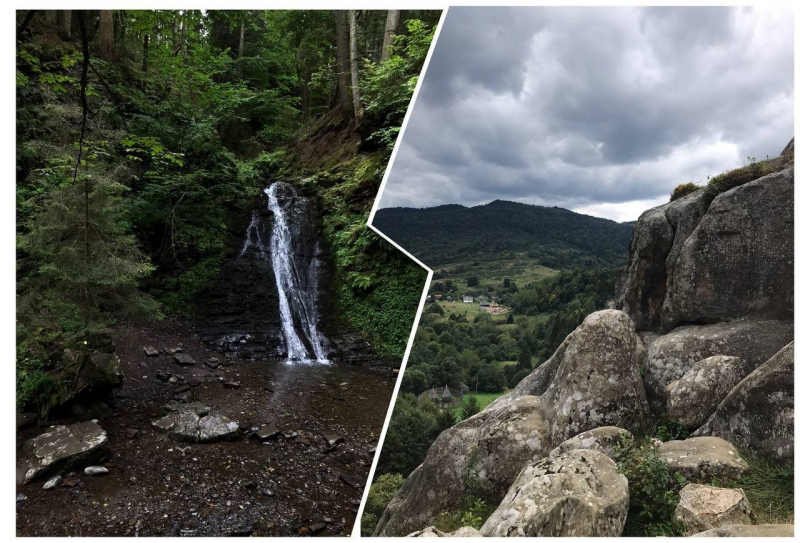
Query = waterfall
x=295 y=265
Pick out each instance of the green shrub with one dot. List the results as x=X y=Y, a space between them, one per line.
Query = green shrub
x=735 y=178
x=683 y=190
x=653 y=489
x=670 y=430
x=380 y=494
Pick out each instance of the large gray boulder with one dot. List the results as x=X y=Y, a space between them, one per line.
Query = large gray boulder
x=580 y=493
x=598 y=382
x=485 y=452
x=702 y=507
x=433 y=531
x=670 y=356
x=747 y=530
x=605 y=439
x=739 y=261
x=758 y=414
x=694 y=397
x=703 y=459
x=64 y=448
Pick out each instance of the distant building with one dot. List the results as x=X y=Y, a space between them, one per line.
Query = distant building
x=485 y=304
x=429 y=298
x=468 y=299
x=450 y=299
x=438 y=296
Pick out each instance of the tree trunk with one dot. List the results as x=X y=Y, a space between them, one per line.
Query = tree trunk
x=145 y=53
x=105 y=34
x=354 y=63
x=176 y=44
x=86 y=188
x=241 y=49
x=342 y=62
x=392 y=24
x=65 y=24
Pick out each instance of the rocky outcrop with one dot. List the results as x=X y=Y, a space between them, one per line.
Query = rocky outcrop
x=485 y=451
x=196 y=423
x=694 y=397
x=64 y=448
x=591 y=381
x=697 y=260
x=580 y=493
x=739 y=261
x=702 y=459
x=758 y=414
x=433 y=531
x=670 y=356
x=605 y=439
x=598 y=382
x=703 y=507
x=745 y=530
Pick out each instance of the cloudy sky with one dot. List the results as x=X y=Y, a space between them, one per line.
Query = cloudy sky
x=599 y=110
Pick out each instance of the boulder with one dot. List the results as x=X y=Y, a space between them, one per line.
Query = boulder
x=694 y=397
x=701 y=459
x=598 y=382
x=704 y=507
x=739 y=261
x=758 y=414
x=195 y=423
x=605 y=439
x=485 y=452
x=670 y=356
x=64 y=448
x=746 y=530
x=580 y=493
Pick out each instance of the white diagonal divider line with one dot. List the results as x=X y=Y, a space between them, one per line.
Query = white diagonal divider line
x=357 y=526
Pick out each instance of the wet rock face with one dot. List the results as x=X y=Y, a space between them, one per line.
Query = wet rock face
x=598 y=382
x=580 y=493
x=488 y=450
x=670 y=356
x=702 y=459
x=195 y=423
x=64 y=448
x=746 y=530
x=758 y=414
x=705 y=507
x=739 y=260
x=694 y=397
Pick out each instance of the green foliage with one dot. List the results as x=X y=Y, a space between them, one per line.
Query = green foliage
x=387 y=87
x=653 y=489
x=411 y=432
x=470 y=407
x=380 y=494
x=669 y=430
x=683 y=190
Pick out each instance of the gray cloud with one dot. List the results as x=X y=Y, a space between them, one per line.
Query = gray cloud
x=600 y=110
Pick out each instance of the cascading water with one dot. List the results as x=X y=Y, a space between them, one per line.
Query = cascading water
x=295 y=272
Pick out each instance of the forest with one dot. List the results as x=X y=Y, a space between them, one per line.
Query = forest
x=143 y=137
x=549 y=236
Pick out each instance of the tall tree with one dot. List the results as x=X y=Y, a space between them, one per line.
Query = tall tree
x=354 y=63
x=65 y=24
x=105 y=34
x=392 y=25
x=342 y=60
x=241 y=46
x=145 y=53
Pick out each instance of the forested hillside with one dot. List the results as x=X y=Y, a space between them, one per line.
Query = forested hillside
x=145 y=136
x=551 y=236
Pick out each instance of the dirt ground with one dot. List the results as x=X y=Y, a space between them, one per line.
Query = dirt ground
x=295 y=484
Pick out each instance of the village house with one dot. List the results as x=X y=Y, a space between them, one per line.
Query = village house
x=468 y=299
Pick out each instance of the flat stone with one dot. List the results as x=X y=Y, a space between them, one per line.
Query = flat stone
x=705 y=507
x=195 y=423
x=149 y=350
x=268 y=431
x=53 y=482
x=63 y=448
x=183 y=359
x=701 y=459
x=605 y=439
x=231 y=384
x=96 y=470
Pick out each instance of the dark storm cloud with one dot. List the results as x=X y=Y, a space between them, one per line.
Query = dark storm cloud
x=600 y=110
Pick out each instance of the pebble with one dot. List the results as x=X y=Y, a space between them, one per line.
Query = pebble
x=53 y=482
x=96 y=470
